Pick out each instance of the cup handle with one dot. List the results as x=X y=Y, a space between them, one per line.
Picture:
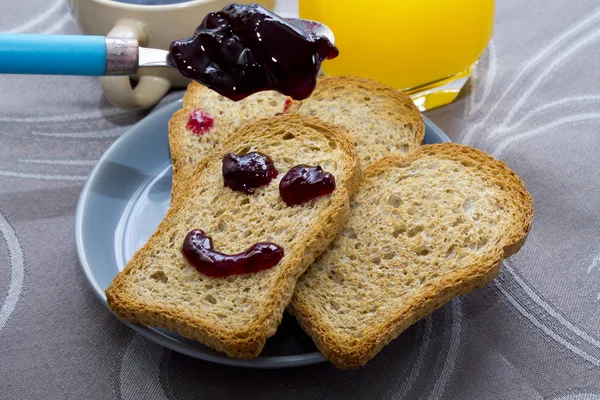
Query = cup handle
x=150 y=88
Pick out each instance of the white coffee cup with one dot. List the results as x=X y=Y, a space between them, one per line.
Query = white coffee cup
x=154 y=26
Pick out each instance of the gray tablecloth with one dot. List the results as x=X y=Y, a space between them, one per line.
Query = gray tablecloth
x=533 y=333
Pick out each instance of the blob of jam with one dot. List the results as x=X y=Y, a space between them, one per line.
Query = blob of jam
x=303 y=183
x=244 y=49
x=248 y=172
x=200 y=122
x=198 y=250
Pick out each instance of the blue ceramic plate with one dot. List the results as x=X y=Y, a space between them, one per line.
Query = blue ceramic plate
x=122 y=203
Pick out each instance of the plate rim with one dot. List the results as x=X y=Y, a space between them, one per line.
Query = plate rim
x=266 y=362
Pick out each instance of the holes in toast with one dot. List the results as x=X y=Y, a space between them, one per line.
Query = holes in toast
x=349 y=233
x=211 y=299
x=357 y=245
x=469 y=206
x=395 y=200
x=389 y=255
x=332 y=145
x=367 y=98
x=334 y=304
x=289 y=136
x=466 y=163
x=404 y=149
x=459 y=220
x=221 y=226
x=400 y=230
x=245 y=201
x=482 y=242
x=376 y=260
x=335 y=277
x=414 y=231
x=273 y=103
x=159 y=276
x=451 y=252
x=422 y=251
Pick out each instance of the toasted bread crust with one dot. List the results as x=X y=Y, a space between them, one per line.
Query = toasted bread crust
x=241 y=341
x=347 y=354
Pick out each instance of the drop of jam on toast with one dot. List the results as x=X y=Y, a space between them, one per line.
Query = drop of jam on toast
x=286 y=105
x=244 y=49
x=198 y=250
x=303 y=183
x=200 y=122
x=248 y=172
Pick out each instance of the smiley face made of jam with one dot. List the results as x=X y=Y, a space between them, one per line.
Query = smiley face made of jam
x=246 y=173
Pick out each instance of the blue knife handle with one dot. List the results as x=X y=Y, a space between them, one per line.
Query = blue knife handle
x=52 y=54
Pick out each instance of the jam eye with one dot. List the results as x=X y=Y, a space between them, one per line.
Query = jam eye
x=246 y=173
x=303 y=183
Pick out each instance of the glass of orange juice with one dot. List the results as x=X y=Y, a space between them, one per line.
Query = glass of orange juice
x=427 y=48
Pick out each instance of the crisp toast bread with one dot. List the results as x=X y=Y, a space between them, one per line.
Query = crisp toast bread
x=423 y=229
x=238 y=313
x=188 y=148
x=381 y=120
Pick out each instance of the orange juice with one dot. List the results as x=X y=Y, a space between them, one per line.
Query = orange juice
x=411 y=45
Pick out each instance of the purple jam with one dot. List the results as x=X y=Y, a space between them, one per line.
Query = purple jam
x=245 y=48
x=303 y=183
x=248 y=172
x=198 y=251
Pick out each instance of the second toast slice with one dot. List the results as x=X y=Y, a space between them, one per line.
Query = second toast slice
x=236 y=314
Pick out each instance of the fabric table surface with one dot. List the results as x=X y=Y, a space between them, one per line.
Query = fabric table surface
x=533 y=333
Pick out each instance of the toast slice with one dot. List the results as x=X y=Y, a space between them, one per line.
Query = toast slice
x=422 y=230
x=188 y=147
x=381 y=120
x=238 y=313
